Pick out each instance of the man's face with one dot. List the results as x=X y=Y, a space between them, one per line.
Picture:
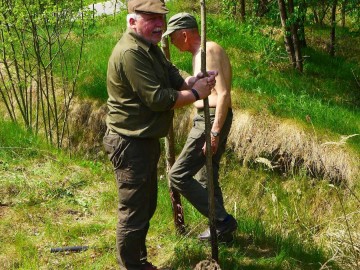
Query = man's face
x=149 y=26
x=177 y=39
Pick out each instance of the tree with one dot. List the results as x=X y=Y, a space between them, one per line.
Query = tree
x=294 y=26
x=37 y=75
x=242 y=10
x=263 y=7
x=320 y=9
x=301 y=23
x=229 y=8
x=349 y=7
x=343 y=12
x=291 y=38
x=287 y=37
x=333 y=28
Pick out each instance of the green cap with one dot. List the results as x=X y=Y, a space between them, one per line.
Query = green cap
x=180 y=21
x=147 y=6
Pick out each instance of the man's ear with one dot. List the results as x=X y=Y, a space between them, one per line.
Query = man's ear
x=132 y=23
x=185 y=35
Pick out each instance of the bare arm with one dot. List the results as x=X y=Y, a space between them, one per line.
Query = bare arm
x=216 y=58
x=202 y=86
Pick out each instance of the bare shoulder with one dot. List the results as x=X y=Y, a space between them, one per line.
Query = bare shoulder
x=217 y=59
x=216 y=53
x=212 y=46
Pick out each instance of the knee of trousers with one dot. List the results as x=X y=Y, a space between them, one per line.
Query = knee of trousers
x=175 y=179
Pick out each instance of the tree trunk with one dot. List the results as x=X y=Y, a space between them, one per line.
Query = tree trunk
x=242 y=10
x=316 y=16
x=324 y=6
x=262 y=8
x=333 y=25
x=289 y=46
x=294 y=33
x=343 y=13
x=302 y=19
x=234 y=8
x=178 y=213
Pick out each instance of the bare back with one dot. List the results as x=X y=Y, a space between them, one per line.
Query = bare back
x=216 y=59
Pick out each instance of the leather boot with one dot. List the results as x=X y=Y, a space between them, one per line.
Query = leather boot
x=224 y=230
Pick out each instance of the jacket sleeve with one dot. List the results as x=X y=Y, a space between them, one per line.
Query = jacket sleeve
x=176 y=79
x=146 y=81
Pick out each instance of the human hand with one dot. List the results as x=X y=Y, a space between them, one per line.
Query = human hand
x=212 y=72
x=208 y=73
x=204 y=85
x=193 y=79
x=214 y=145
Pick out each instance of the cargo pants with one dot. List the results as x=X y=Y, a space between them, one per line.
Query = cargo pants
x=188 y=175
x=135 y=164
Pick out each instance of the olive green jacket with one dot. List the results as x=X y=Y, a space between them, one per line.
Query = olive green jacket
x=142 y=87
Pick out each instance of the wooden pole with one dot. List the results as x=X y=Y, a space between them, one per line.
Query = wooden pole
x=178 y=213
x=209 y=168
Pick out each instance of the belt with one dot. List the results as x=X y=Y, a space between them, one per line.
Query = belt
x=211 y=110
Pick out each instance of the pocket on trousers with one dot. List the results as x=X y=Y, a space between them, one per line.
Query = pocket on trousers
x=196 y=138
x=128 y=176
x=114 y=146
x=198 y=129
x=133 y=203
x=110 y=143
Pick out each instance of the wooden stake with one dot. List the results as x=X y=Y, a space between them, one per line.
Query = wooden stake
x=178 y=213
x=209 y=168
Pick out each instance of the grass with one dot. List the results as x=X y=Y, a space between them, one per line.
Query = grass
x=49 y=201
x=286 y=221
x=100 y=41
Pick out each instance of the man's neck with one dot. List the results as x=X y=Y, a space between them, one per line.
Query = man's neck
x=195 y=46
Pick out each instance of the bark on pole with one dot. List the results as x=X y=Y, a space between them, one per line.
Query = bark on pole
x=178 y=213
x=210 y=182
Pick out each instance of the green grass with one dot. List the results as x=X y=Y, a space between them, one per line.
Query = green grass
x=101 y=39
x=53 y=202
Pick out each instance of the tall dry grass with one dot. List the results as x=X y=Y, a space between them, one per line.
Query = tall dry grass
x=343 y=240
x=87 y=126
x=278 y=144
x=285 y=146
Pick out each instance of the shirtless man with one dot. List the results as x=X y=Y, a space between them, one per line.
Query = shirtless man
x=183 y=31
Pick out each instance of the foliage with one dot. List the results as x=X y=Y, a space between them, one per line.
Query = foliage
x=228 y=7
x=40 y=62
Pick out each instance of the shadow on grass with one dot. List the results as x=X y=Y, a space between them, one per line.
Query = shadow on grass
x=249 y=252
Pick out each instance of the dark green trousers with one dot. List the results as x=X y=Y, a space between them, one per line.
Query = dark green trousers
x=135 y=164
x=189 y=176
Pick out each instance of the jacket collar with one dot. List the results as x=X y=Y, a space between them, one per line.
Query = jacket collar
x=146 y=45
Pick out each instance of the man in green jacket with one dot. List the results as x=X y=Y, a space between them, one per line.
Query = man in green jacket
x=143 y=89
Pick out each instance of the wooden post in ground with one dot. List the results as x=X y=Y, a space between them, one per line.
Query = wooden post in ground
x=178 y=212
x=209 y=168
